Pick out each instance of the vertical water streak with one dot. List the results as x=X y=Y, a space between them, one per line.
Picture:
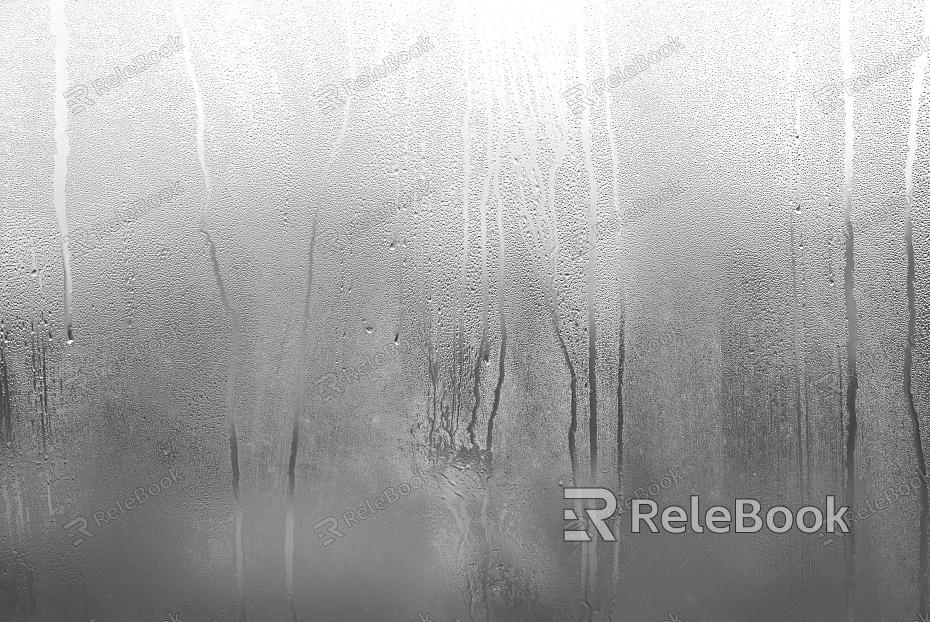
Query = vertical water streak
x=591 y=294
x=796 y=213
x=236 y=337
x=920 y=66
x=6 y=403
x=302 y=360
x=466 y=187
x=501 y=270
x=621 y=359
x=617 y=236
x=62 y=148
x=590 y=549
x=483 y=347
x=851 y=309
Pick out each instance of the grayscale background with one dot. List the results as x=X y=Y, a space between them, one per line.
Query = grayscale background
x=295 y=289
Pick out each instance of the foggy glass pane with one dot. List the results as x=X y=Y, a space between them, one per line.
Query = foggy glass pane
x=482 y=311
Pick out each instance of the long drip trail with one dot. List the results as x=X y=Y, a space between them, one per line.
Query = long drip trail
x=920 y=66
x=590 y=549
x=552 y=300
x=621 y=359
x=466 y=194
x=502 y=251
x=483 y=347
x=852 y=340
x=608 y=117
x=795 y=199
x=592 y=292
x=302 y=369
x=234 y=355
x=6 y=404
x=62 y=148
x=802 y=323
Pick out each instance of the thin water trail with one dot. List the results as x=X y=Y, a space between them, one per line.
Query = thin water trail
x=621 y=359
x=289 y=542
x=852 y=340
x=553 y=300
x=480 y=359
x=236 y=337
x=466 y=187
x=615 y=179
x=808 y=451
x=591 y=595
x=62 y=149
x=502 y=315
x=591 y=296
x=920 y=67
x=795 y=303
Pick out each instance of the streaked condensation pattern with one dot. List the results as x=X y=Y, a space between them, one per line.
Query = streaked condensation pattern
x=464 y=311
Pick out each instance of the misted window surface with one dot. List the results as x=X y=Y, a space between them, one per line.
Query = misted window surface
x=464 y=311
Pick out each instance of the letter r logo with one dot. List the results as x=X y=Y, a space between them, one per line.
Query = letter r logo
x=80 y=520
x=331 y=521
x=329 y=99
x=77 y=99
x=597 y=517
x=577 y=98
